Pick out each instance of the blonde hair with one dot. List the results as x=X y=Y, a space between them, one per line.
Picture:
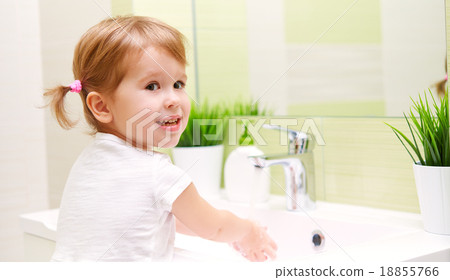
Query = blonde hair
x=101 y=55
x=441 y=86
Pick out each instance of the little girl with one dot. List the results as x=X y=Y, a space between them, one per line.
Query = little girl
x=121 y=201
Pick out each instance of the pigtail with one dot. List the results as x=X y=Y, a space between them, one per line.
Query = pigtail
x=57 y=106
x=440 y=87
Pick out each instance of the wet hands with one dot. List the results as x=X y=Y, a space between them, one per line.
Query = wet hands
x=256 y=245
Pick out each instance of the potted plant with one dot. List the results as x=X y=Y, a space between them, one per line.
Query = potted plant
x=429 y=148
x=200 y=149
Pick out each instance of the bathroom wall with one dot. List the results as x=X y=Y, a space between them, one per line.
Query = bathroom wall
x=365 y=164
x=221 y=36
x=412 y=61
x=361 y=162
x=23 y=172
x=367 y=63
x=344 y=65
x=177 y=13
x=267 y=54
x=222 y=49
x=60 y=30
x=447 y=29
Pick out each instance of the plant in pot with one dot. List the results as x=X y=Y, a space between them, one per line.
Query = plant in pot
x=200 y=149
x=429 y=148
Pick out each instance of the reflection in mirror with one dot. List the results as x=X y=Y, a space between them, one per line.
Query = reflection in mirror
x=326 y=57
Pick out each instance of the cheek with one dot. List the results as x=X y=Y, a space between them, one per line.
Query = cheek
x=137 y=109
x=133 y=116
x=186 y=113
x=186 y=106
x=124 y=116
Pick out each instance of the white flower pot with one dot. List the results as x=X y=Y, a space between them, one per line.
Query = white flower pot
x=204 y=165
x=433 y=190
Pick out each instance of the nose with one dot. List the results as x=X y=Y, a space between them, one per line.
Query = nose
x=171 y=98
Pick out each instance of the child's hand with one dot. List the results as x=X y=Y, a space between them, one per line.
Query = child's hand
x=256 y=245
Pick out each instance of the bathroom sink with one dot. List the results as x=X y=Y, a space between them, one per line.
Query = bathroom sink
x=293 y=232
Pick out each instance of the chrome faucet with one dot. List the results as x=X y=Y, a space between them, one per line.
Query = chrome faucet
x=299 y=179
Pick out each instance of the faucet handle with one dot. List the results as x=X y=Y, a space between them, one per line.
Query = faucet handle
x=299 y=142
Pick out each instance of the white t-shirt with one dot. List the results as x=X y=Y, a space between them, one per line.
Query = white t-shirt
x=117 y=204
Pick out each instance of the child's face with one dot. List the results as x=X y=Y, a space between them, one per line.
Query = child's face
x=150 y=105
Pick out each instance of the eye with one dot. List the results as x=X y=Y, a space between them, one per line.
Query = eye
x=179 y=85
x=152 y=87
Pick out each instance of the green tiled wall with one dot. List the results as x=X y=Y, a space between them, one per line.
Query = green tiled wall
x=222 y=49
x=121 y=7
x=306 y=20
x=361 y=163
x=365 y=164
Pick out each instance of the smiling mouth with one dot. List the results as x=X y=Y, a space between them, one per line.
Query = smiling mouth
x=170 y=122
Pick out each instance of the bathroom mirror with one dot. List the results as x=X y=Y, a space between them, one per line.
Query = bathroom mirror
x=320 y=57
x=299 y=57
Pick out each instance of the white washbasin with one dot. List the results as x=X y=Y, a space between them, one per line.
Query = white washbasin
x=351 y=233
x=293 y=234
x=292 y=231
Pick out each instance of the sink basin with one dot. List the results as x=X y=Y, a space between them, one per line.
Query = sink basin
x=293 y=232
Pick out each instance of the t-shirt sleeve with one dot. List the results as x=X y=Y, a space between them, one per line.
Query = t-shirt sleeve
x=172 y=182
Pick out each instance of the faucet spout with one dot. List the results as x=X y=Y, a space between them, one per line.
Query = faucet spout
x=297 y=196
x=299 y=190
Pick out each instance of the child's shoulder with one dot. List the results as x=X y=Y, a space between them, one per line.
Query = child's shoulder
x=109 y=153
x=110 y=145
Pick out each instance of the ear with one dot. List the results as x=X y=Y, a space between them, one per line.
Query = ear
x=99 y=107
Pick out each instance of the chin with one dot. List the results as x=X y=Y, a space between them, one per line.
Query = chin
x=172 y=143
x=168 y=146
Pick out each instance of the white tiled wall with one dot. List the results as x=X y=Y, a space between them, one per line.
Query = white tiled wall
x=23 y=165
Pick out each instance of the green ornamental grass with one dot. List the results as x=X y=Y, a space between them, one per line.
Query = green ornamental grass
x=202 y=112
x=430 y=132
x=213 y=117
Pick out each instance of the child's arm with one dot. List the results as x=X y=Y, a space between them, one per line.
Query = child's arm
x=223 y=226
x=182 y=228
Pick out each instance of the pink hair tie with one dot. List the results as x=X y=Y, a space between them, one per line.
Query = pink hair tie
x=446 y=77
x=75 y=86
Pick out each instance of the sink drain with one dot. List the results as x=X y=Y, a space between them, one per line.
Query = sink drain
x=318 y=239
